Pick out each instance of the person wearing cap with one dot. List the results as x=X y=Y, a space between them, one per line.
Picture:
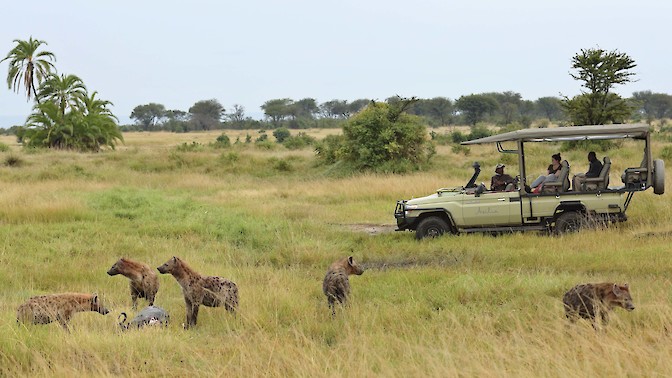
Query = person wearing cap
x=500 y=180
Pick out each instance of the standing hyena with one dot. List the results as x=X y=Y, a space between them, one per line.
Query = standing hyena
x=595 y=300
x=45 y=309
x=144 y=282
x=336 y=285
x=209 y=291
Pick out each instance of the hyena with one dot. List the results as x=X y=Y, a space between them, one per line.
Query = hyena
x=209 y=291
x=144 y=282
x=594 y=300
x=336 y=285
x=45 y=309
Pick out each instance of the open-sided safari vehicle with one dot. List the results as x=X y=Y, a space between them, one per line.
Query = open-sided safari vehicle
x=557 y=207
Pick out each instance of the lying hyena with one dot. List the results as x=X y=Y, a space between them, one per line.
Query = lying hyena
x=144 y=282
x=206 y=290
x=595 y=300
x=336 y=285
x=45 y=309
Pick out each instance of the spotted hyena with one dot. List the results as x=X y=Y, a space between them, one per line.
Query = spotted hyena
x=593 y=301
x=45 y=309
x=201 y=290
x=336 y=285
x=144 y=282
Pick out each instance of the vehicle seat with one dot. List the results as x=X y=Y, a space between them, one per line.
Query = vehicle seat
x=634 y=177
x=562 y=184
x=600 y=182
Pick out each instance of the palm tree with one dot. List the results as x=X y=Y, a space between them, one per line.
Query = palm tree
x=26 y=65
x=66 y=91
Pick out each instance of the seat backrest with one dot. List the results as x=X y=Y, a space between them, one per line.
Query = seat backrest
x=564 y=175
x=604 y=174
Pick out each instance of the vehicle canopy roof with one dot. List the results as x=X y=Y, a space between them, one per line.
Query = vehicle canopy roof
x=593 y=132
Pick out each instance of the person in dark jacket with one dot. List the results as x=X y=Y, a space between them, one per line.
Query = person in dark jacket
x=500 y=180
x=594 y=170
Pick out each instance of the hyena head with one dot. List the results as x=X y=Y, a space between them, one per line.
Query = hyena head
x=169 y=266
x=116 y=268
x=97 y=306
x=622 y=297
x=353 y=267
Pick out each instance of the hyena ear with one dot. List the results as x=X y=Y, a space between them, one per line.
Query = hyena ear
x=351 y=261
x=626 y=286
x=616 y=290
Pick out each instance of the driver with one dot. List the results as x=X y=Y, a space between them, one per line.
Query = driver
x=500 y=180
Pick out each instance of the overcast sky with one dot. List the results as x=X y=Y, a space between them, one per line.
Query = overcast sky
x=250 y=51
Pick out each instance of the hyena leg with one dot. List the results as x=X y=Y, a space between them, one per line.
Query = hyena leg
x=134 y=298
x=194 y=314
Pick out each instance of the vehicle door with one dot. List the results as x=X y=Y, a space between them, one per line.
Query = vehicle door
x=491 y=209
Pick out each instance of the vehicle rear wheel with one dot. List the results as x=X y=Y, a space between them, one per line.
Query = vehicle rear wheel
x=431 y=227
x=658 y=176
x=568 y=222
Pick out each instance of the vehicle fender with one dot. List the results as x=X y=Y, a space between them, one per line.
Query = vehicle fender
x=443 y=213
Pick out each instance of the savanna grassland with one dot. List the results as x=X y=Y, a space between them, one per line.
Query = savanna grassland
x=272 y=221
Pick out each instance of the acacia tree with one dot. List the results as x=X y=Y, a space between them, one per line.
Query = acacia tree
x=600 y=71
x=148 y=115
x=475 y=107
x=28 y=66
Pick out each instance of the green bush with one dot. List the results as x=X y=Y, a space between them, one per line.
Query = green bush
x=666 y=153
x=222 y=141
x=281 y=134
x=328 y=149
x=382 y=138
x=3 y=147
x=299 y=141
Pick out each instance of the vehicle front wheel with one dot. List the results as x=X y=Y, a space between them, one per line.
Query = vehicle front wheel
x=568 y=222
x=431 y=227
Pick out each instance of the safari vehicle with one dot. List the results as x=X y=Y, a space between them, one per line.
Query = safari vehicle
x=556 y=208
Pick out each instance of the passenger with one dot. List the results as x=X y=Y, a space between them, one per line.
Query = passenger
x=552 y=174
x=500 y=180
x=594 y=170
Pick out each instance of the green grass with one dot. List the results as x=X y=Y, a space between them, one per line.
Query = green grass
x=273 y=221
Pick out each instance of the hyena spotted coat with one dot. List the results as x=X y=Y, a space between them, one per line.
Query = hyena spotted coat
x=144 y=281
x=199 y=290
x=336 y=285
x=593 y=301
x=45 y=309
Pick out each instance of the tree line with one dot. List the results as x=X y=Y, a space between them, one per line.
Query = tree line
x=499 y=108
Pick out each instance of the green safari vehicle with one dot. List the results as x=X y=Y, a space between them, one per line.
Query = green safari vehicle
x=556 y=208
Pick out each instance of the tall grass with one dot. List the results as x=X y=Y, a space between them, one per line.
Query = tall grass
x=468 y=305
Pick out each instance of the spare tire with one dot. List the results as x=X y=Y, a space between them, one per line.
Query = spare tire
x=658 y=176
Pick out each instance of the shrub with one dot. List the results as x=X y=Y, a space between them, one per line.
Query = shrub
x=479 y=131
x=666 y=153
x=300 y=140
x=458 y=137
x=13 y=161
x=460 y=149
x=222 y=141
x=281 y=134
x=383 y=138
x=3 y=147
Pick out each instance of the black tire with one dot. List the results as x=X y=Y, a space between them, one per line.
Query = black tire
x=658 y=176
x=431 y=227
x=568 y=222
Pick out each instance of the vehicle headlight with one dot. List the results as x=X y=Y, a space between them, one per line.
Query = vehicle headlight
x=411 y=207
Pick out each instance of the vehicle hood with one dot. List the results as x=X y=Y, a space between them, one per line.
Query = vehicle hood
x=442 y=195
